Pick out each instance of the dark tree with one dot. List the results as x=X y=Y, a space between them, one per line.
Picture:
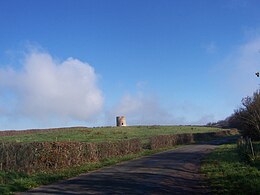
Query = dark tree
x=247 y=117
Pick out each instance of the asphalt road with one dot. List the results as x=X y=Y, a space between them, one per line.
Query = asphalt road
x=171 y=172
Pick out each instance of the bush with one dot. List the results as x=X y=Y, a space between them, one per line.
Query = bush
x=49 y=156
x=247 y=118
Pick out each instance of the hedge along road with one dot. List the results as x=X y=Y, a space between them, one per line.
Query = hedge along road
x=171 y=172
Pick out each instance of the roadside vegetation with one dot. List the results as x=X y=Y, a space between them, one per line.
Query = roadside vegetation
x=246 y=118
x=11 y=181
x=230 y=170
x=235 y=168
x=60 y=153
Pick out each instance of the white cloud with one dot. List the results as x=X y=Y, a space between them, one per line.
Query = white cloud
x=146 y=108
x=234 y=77
x=240 y=67
x=45 y=88
x=143 y=109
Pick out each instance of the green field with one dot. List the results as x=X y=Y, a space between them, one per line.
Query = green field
x=11 y=181
x=100 y=134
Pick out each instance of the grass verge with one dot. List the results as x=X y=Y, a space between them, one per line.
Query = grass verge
x=228 y=173
x=11 y=182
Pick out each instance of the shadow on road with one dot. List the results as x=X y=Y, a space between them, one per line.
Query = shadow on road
x=230 y=139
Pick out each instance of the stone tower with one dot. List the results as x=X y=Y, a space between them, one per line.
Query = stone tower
x=120 y=121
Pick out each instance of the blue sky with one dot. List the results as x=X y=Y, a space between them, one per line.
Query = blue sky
x=65 y=62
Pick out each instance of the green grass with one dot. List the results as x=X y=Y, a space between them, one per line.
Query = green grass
x=229 y=173
x=11 y=182
x=105 y=133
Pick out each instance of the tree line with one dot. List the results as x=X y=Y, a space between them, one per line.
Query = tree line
x=246 y=118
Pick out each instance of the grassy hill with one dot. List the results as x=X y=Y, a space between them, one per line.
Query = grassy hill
x=99 y=134
x=54 y=159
